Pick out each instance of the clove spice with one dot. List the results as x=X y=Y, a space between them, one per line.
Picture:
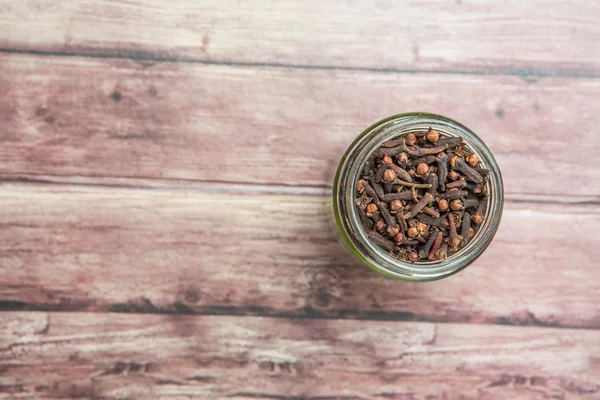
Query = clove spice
x=414 y=193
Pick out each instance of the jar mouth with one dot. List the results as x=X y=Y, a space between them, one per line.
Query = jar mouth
x=348 y=220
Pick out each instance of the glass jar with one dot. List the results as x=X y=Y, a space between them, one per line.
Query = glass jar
x=347 y=219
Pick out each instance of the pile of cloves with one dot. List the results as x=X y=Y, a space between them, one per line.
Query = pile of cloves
x=422 y=196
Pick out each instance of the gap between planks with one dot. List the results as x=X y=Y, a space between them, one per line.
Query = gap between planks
x=136 y=356
x=144 y=59
x=141 y=306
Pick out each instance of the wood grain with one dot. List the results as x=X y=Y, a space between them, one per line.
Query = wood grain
x=72 y=117
x=112 y=356
x=174 y=158
x=165 y=251
x=524 y=38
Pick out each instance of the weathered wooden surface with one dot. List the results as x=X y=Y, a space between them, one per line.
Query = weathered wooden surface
x=138 y=250
x=116 y=356
x=549 y=37
x=114 y=118
x=174 y=158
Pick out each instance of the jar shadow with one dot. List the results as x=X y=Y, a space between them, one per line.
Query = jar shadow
x=341 y=286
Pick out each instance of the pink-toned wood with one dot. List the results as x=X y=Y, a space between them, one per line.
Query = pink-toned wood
x=555 y=37
x=77 y=117
x=98 y=249
x=112 y=356
x=201 y=187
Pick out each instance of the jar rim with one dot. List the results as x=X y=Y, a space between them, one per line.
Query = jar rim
x=347 y=218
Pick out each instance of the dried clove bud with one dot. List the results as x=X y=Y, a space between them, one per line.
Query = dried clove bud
x=379 y=173
x=449 y=141
x=368 y=222
x=390 y=151
x=371 y=192
x=406 y=195
x=453 y=175
x=460 y=183
x=394 y=230
x=453 y=195
x=424 y=250
x=433 y=181
x=442 y=163
x=402 y=158
x=423 y=151
x=413 y=256
x=431 y=212
x=453 y=238
x=459 y=164
x=396 y=205
x=473 y=160
x=360 y=185
x=443 y=204
x=478 y=216
x=457 y=205
x=412 y=232
x=393 y=143
x=408 y=242
x=429 y=159
x=411 y=184
x=442 y=253
x=476 y=188
x=387 y=216
x=363 y=200
x=389 y=175
x=403 y=225
x=429 y=220
x=464 y=228
x=425 y=200
x=433 y=136
x=376 y=187
x=422 y=169
x=381 y=241
x=468 y=203
x=421 y=227
x=402 y=174
x=372 y=208
x=436 y=246
x=482 y=171
x=398 y=238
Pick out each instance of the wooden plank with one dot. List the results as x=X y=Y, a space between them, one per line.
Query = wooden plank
x=99 y=249
x=117 y=119
x=464 y=35
x=113 y=356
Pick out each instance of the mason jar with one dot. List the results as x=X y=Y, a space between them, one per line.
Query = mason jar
x=347 y=220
